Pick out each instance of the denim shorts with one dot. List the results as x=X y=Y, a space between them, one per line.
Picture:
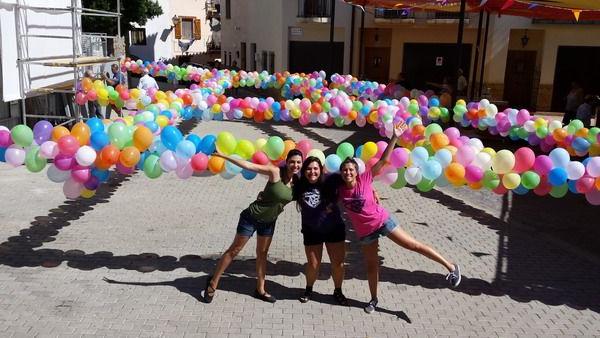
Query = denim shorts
x=247 y=226
x=386 y=228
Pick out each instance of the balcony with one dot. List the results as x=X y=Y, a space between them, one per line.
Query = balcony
x=394 y=16
x=446 y=17
x=213 y=46
x=314 y=11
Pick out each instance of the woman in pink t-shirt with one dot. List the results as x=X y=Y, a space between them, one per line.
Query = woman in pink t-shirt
x=371 y=221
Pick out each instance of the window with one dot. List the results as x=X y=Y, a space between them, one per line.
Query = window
x=188 y=28
x=263 y=59
x=252 y=57
x=227 y=9
x=271 y=62
x=243 y=55
x=138 y=36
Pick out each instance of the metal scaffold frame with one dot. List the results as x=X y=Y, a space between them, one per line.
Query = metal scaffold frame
x=75 y=60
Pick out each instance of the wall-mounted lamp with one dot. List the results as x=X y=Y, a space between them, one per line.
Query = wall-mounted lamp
x=524 y=39
x=175 y=20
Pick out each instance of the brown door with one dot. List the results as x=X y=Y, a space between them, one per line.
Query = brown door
x=518 y=78
x=377 y=64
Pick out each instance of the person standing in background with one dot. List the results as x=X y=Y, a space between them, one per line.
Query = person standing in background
x=574 y=99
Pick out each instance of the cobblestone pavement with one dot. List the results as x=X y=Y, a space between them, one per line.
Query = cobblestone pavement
x=132 y=261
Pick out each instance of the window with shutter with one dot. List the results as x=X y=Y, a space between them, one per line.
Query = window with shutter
x=197 y=29
x=187 y=28
x=178 y=29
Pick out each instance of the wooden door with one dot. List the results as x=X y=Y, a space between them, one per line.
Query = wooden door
x=377 y=64
x=518 y=78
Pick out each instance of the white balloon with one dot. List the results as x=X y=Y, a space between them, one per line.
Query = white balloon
x=413 y=175
x=575 y=170
x=56 y=175
x=85 y=156
x=361 y=165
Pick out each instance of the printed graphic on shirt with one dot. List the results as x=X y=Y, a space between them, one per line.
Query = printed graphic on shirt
x=354 y=204
x=312 y=198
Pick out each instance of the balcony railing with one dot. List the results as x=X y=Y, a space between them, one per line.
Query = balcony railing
x=213 y=46
x=381 y=13
x=314 y=8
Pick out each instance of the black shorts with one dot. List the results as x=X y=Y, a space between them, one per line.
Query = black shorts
x=334 y=234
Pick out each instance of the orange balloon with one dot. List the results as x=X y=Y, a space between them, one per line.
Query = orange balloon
x=476 y=185
x=142 y=138
x=287 y=146
x=248 y=112
x=352 y=115
x=455 y=173
x=438 y=141
x=58 y=132
x=86 y=84
x=110 y=154
x=418 y=130
x=129 y=156
x=583 y=132
x=101 y=164
x=597 y=183
x=81 y=132
x=216 y=164
x=559 y=134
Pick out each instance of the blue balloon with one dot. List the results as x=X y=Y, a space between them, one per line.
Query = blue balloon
x=419 y=155
x=185 y=149
x=207 y=146
x=560 y=157
x=520 y=190
x=171 y=136
x=153 y=126
x=247 y=174
x=102 y=175
x=232 y=168
x=557 y=176
x=434 y=102
x=332 y=163
x=358 y=151
x=143 y=157
x=444 y=157
x=187 y=113
x=99 y=140
x=95 y=125
x=580 y=144
x=572 y=184
x=196 y=140
x=431 y=169
x=167 y=113
x=2 y=156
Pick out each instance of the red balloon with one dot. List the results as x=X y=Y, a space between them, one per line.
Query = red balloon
x=68 y=145
x=260 y=157
x=199 y=162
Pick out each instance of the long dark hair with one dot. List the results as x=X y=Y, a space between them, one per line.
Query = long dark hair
x=283 y=170
x=302 y=185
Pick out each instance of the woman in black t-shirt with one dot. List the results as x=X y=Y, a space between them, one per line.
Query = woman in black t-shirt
x=321 y=224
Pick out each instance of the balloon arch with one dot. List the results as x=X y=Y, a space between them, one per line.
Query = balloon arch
x=426 y=156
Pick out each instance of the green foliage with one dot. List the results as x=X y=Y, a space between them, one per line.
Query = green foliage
x=138 y=11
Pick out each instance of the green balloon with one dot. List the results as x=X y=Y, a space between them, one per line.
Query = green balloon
x=541 y=132
x=400 y=181
x=491 y=180
x=118 y=133
x=345 y=150
x=592 y=134
x=522 y=133
x=339 y=121
x=413 y=108
x=559 y=190
x=274 y=147
x=425 y=185
x=152 y=167
x=431 y=129
x=22 y=135
x=576 y=124
x=530 y=180
x=226 y=142
x=245 y=149
x=33 y=161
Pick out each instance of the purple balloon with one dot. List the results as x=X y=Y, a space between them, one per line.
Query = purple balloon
x=42 y=131
x=92 y=183
x=5 y=139
x=64 y=162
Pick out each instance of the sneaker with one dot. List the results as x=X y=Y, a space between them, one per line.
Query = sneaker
x=370 y=308
x=454 y=277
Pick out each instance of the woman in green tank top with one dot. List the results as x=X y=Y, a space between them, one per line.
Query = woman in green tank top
x=260 y=216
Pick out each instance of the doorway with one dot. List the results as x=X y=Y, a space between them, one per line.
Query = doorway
x=377 y=64
x=574 y=63
x=518 y=79
x=310 y=56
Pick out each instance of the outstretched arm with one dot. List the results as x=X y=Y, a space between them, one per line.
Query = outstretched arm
x=399 y=129
x=263 y=169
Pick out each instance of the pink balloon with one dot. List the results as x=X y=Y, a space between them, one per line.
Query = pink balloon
x=452 y=133
x=593 y=197
x=64 y=162
x=48 y=149
x=543 y=188
x=15 y=155
x=68 y=145
x=542 y=165
x=199 y=162
x=72 y=188
x=524 y=160
x=585 y=184
x=381 y=145
x=5 y=139
x=473 y=173
x=260 y=157
x=523 y=116
x=465 y=155
x=304 y=146
x=399 y=157
x=80 y=174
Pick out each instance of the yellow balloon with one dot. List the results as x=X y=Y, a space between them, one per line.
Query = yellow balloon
x=162 y=121
x=259 y=144
x=86 y=193
x=490 y=151
x=511 y=180
x=503 y=162
x=369 y=150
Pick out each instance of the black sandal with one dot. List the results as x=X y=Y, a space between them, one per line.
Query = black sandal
x=264 y=297
x=340 y=298
x=209 y=295
x=306 y=296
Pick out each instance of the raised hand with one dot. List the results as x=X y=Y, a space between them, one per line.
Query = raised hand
x=400 y=128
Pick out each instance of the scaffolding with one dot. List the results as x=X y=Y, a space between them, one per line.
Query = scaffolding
x=77 y=61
